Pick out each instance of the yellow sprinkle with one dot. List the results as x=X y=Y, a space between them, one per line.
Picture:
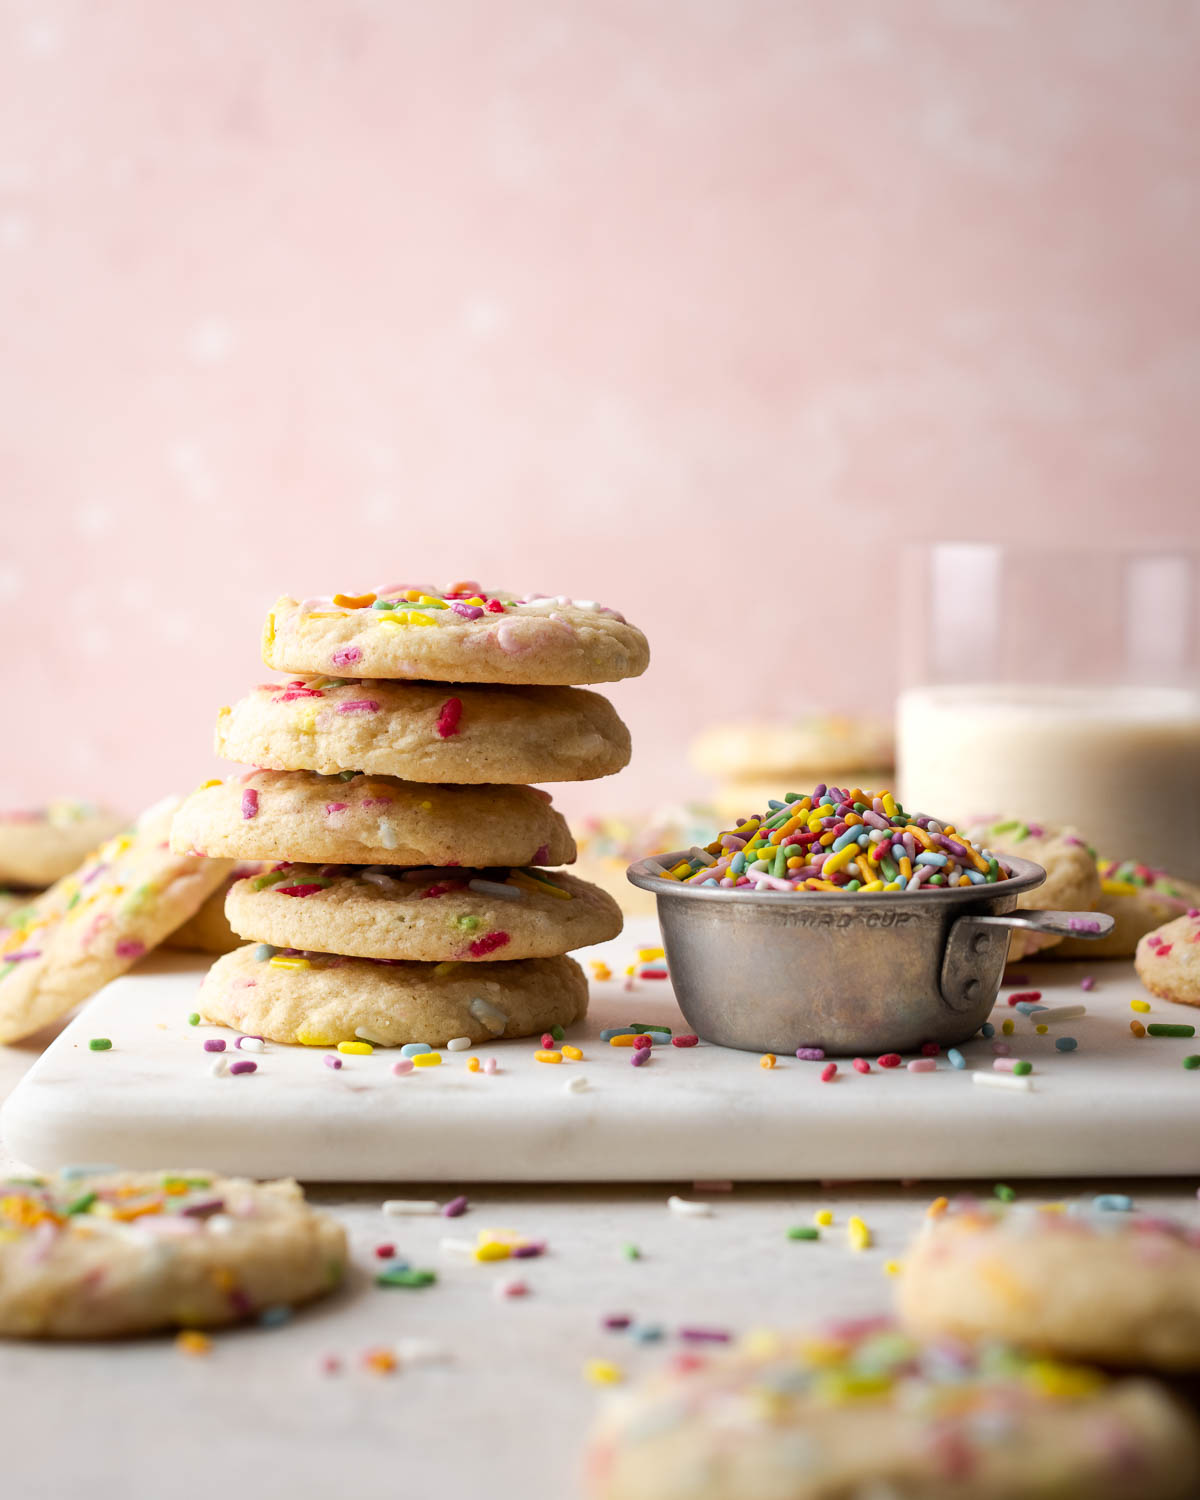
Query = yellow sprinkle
x=873 y=885
x=1053 y=1379
x=1042 y=1029
x=204 y=785
x=857 y=1233
x=547 y=1057
x=472 y=1065
x=192 y=1341
x=837 y=861
x=892 y=1267
x=1007 y=1028
x=1052 y=1208
x=889 y=804
x=823 y=1217
x=767 y=1060
x=313 y=1039
x=279 y=962
x=648 y=955
x=493 y=1250
x=937 y=1207
x=359 y=1049
x=599 y=970
x=326 y=614
x=1139 y=1005
x=269 y=632
x=627 y=1039
x=603 y=1372
x=1118 y=888
x=445 y=967
x=572 y=1052
x=427 y=1060
x=1137 y=1028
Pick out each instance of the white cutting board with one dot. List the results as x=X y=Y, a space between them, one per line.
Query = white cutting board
x=1116 y=1106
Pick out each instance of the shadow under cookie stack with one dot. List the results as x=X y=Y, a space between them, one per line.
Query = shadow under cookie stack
x=406 y=903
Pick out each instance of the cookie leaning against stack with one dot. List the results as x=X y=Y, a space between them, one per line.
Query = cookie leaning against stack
x=406 y=902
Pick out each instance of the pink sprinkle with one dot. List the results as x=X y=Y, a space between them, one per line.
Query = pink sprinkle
x=447 y=720
x=639 y=1055
x=1087 y=983
x=455 y=1208
x=686 y=1040
x=542 y=853
x=298 y=890
x=359 y=706
x=861 y=1065
x=828 y=1072
x=1004 y=1064
x=385 y=1252
x=1164 y=949
x=344 y=655
x=243 y=1065
x=1023 y=995
x=467 y=611
x=889 y=1060
x=642 y=1042
x=335 y=807
x=249 y=803
x=1001 y=1049
x=129 y=948
x=330 y=1364
x=15 y=958
x=508 y=638
x=331 y=1061
x=401 y=1066
x=547 y=1042
x=376 y=802
x=488 y=943
x=490 y=1065
x=516 y=1287
x=922 y=1065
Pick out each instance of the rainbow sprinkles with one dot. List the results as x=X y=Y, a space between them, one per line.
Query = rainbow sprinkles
x=838 y=839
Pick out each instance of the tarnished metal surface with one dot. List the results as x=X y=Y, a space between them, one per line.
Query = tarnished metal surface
x=772 y=971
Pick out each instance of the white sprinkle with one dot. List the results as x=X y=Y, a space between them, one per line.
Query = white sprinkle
x=399 y=1206
x=377 y=877
x=251 y=1044
x=575 y=1085
x=387 y=834
x=1023 y=1081
x=220 y=1224
x=367 y=1036
x=688 y=1207
x=1059 y=1013
x=220 y=1066
x=458 y=1247
x=458 y=1044
x=422 y=1352
x=491 y=1015
x=495 y=888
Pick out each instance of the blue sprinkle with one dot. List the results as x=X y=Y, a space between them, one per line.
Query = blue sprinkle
x=1116 y=1203
x=412 y=1049
x=987 y=1029
x=88 y=1170
x=647 y=1333
x=1065 y=1043
x=611 y=1031
x=955 y=1058
x=264 y=951
x=274 y=1317
x=1029 y=1007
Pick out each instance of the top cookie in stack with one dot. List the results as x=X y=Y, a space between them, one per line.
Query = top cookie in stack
x=357 y=780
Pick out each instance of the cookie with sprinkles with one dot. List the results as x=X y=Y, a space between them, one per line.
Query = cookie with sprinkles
x=97 y=922
x=357 y=819
x=321 y=999
x=465 y=633
x=862 y=1410
x=41 y=845
x=378 y=912
x=208 y=931
x=1069 y=1281
x=1072 y=880
x=421 y=731
x=1138 y=899
x=1168 y=959
x=102 y=1254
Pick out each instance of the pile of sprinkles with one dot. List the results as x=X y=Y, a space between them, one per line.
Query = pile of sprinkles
x=838 y=839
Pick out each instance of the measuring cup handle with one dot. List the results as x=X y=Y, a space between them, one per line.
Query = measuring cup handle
x=976 y=947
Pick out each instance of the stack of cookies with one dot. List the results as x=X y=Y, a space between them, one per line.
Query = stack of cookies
x=407 y=900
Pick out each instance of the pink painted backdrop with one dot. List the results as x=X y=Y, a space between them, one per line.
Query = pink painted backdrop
x=698 y=307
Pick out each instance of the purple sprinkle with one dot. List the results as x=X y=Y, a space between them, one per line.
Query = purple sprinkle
x=704 y=1335
x=530 y=1251
x=345 y=655
x=215 y=1044
x=1087 y=983
x=810 y=1054
x=1083 y=924
x=456 y=1207
x=243 y=1065
x=204 y=1208
x=331 y=1061
x=467 y=611
x=359 y=706
x=15 y=958
x=640 y=1055
x=541 y=854
x=129 y=948
x=616 y=1322
x=249 y=803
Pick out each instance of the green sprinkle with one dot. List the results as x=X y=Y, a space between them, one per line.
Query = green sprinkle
x=403 y=1276
x=384 y=604
x=631 y=1252
x=348 y=775
x=1192 y=1062
x=557 y=1033
x=194 y=1018
x=1160 y=1028
x=99 y=1044
x=803 y=1232
x=272 y=877
x=1004 y=1192
x=82 y=1203
x=468 y=924
x=1021 y=1068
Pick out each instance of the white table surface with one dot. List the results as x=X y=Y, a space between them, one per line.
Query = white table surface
x=505 y=1415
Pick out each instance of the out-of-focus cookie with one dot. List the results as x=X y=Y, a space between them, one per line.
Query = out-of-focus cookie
x=12 y=904
x=468 y=915
x=319 y=999
x=41 y=845
x=97 y=922
x=422 y=731
x=1138 y=899
x=461 y=634
x=737 y=799
x=208 y=931
x=1072 y=881
x=1168 y=960
x=861 y=1411
x=608 y=845
x=356 y=819
x=1120 y=1289
x=102 y=1254
x=830 y=747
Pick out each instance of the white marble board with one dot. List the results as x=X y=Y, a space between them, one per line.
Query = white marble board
x=1114 y=1106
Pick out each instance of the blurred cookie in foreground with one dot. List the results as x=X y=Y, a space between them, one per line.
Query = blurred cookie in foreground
x=861 y=1410
x=1072 y=880
x=1138 y=899
x=608 y=845
x=40 y=845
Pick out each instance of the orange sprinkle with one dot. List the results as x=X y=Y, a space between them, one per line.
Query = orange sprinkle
x=937 y=1207
x=137 y=1211
x=192 y=1341
x=354 y=601
x=381 y=1361
x=1137 y=1028
x=767 y=1060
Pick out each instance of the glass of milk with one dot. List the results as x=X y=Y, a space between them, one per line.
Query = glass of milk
x=1058 y=687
